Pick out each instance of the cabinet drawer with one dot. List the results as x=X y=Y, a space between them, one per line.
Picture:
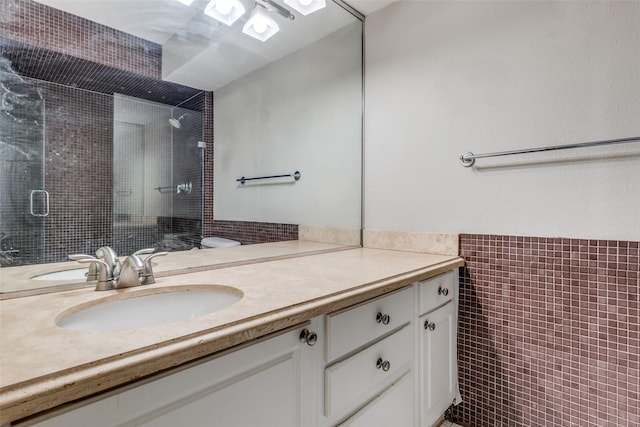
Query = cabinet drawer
x=352 y=381
x=393 y=408
x=355 y=327
x=436 y=291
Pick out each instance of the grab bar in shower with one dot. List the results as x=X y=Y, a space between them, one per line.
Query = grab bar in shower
x=468 y=159
x=296 y=176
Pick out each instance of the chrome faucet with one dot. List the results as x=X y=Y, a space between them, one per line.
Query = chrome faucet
x=130 y=272
x=147 y=275
x=104 y=272
x=111 y=274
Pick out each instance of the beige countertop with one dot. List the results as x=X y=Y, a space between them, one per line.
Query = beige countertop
x=19 y=280
x=43 y=365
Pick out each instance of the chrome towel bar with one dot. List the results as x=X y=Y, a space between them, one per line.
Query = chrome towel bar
x=296 y=175
x=468 y=159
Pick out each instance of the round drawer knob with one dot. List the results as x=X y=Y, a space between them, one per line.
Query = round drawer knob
x=308 y=337
x=383 y=318
x=385 y=365
x=443 y=291
x=429 y=326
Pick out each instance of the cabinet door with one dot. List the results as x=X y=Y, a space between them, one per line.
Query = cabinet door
x=258 y=385
x=393 y=408
x=437 y=363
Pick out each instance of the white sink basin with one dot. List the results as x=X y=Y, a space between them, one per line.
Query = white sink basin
x=138 y=309
x=78 y=274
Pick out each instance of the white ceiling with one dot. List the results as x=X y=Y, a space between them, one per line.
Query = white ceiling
x=367 y=7
x=197 y=50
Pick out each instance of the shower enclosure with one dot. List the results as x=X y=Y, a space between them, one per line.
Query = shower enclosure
x=120 y=173
x=157 y=176
x=24 y=203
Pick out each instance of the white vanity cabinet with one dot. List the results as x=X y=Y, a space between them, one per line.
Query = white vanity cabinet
x=369 y=363
x=437 y=354
x=269 y=383
x=386 y=362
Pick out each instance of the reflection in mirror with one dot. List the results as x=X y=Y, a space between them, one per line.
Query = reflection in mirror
x=157 y=176
x=129 y=135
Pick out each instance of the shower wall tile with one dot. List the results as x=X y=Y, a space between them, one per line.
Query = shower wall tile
x=549 y=332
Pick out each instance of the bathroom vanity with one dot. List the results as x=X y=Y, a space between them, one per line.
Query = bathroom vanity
x=356 y=337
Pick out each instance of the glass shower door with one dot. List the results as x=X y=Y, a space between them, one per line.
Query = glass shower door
x=24 y=202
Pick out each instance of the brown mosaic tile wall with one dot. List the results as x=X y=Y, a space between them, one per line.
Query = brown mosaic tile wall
x=549 y=332
x=49 y=28
x=207 y=209
x=247 y=232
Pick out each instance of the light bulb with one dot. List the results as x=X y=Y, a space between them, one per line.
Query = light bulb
x=224 y=7
x=306 y=7
x=225 y=11
x=260 y=26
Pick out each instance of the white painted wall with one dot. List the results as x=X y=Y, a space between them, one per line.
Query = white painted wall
x=303 y=112
x=443 y=78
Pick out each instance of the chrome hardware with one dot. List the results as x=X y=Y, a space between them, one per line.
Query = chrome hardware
x=147 y=275
x=184 y=188
x=385 y=365
x=131 y=272
x=308 y=337
x=46 y=202
x=443 y=291
x=105 y=275
x=110 y=257
x=468 y=159
x=111 y=274
x=296 y=176
x=383 y=318
x=430 y=326
x=92 y=274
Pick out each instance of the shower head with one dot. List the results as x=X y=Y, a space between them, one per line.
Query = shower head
x=177 y=123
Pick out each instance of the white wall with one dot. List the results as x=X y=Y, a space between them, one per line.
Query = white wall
x=443 y=78
x=303 y=112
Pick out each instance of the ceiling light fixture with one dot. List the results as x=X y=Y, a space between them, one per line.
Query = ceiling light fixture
x=306 y=7
x=260 y=26
x=187 y=2
x=225 y=11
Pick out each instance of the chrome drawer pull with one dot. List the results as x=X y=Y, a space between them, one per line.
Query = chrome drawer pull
x=443 y=291
x=308 y=337
x=429 y=326
x=385 y=365
x=383 y=318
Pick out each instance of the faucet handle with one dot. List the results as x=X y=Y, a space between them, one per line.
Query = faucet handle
x=147 y=276
x=76 y=257
x=145 y=251
x=105 y=274
x=92 y=274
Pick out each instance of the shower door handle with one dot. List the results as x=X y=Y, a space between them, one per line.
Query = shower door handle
x=40 y=193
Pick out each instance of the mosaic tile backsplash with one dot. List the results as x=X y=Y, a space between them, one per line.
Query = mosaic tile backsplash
x=549 y=332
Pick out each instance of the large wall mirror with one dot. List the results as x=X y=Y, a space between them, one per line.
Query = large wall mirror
x=131 y=123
